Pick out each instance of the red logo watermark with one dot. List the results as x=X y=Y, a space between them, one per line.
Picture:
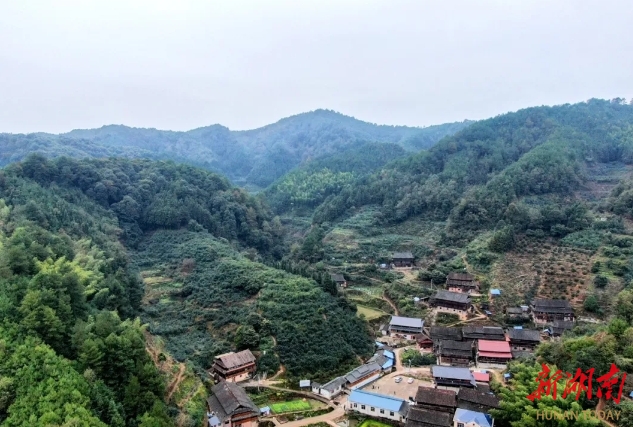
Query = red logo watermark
x=576 y=384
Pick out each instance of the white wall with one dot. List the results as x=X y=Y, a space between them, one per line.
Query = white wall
x=376 y=412
x=366 y=381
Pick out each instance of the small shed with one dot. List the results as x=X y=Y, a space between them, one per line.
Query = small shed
x=495 y=292
x=265 y=411
x=304 y=383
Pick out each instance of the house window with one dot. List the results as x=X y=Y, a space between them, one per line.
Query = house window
x=460 y=424
x=382 y=411
x=372 y=409
x=391 y=414
x=355 y=405
x=362 y=406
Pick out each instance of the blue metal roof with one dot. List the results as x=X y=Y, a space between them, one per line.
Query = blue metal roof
x=507 y=375
x=264 y=409
x=465 y=416
x=495 y=291
x=376 y=400
x=388 y=364
x=518 y=327
x=389 y=354
x=379 y=344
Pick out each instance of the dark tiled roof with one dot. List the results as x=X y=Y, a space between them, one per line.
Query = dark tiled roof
x=514 y=310
x=402 y=255
x=456 y=348
x=444 y=332
x=436 y=397
x=452 y=297
x=524 y=335
x=478 y=397
x=334 y=384
x=560 y=326
x=461 y=276
x=337 y=277
x=233 y=360
x=483 y=332
x=228 y=398
x=419 y=416
x=552 y=306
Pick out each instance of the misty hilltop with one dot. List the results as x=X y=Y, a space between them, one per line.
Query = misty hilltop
x=252 y=158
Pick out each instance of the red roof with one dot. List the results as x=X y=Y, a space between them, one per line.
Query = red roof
x=495 y=354
x=493 y=346
x=481 y=377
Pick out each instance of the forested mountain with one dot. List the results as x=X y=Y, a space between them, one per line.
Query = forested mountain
x=484 y=175
x=255 y=157
x=77 y=237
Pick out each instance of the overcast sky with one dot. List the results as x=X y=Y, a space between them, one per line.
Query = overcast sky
x=184 y=64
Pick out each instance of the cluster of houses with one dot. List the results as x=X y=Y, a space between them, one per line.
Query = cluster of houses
x=478 y=345
x=383 y=361
x=459 y=398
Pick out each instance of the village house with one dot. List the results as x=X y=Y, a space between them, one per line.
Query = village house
x=466 y=418
x=339 y=279
x=331 y=389
x=433 y=399
x=385 y=358
x=516 y=313
x=559 y=327
x=233 y=367
x=476 y=400
x=455 y=353
x=362 y=375
x=418 y=417
x=549 y=310
x=449 y=376
x=440 y=333
x=424 y=342
x=402 y=259
x=378 y=405
x=490 y=333
x=481 y=378
x=523 y=339
x=461 y=282
x=495 y=352
x=452 y=302
x=405 y=327
x=230 y=406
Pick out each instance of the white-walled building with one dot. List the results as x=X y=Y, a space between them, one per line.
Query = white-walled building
x=378 y=405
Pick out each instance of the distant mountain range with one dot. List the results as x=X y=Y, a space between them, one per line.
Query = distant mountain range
x=253 y=158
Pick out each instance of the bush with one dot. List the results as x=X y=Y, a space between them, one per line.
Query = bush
x=600 y=281
x=415 y=358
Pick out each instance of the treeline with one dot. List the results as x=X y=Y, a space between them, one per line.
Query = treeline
x=70 y=352
x=474 y=177
x=147 y=196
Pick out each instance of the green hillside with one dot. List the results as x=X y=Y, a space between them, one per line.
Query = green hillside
x=87 y=246
x=252 y=158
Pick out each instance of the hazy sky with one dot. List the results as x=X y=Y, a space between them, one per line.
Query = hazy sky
x=184 y=64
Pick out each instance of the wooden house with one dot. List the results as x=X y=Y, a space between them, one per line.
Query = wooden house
x=402 y=259
x=418 y=417
x=339 y=279
x=234 y=367
x=452 y=302
x=433 y=399
x=496 y=352
x=559 y=327
x=450 y=376
x=490 y=333
x=461 y=282
x=455 y=353
x=424 y=342
x=439 y=333
x=523 y=339
x=475 y=400
x=405 y=327
x=546 y=311
x=230 y=406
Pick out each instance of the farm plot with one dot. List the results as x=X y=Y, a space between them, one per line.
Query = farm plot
x=290 y=406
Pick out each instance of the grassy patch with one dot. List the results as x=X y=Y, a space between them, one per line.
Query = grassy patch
x=369 y=313
x=291 y=406
x=156 y=280
x=373 y=423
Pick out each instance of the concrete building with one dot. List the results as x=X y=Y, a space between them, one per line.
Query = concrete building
x=363 y=375
x=331 y=389
x=466 y=418
x=378 y=405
